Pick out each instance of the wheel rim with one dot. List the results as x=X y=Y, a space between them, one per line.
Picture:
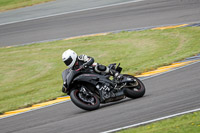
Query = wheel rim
x=86 y=99
x=136 y=88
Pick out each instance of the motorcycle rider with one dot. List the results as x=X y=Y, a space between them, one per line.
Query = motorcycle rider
x=73 y=61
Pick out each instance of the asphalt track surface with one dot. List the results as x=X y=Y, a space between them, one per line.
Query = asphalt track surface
x=173 y=92
x=54 y=8
x=125 y=16
x=169 y=93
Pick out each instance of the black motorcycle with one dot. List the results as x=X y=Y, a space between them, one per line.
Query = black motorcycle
x=89 y=89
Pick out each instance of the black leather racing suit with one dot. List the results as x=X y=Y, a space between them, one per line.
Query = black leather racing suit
x=85 y=61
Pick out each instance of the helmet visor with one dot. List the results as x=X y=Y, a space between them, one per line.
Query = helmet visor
x=68 y=61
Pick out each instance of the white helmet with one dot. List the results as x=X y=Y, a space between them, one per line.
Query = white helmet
x=69 y=57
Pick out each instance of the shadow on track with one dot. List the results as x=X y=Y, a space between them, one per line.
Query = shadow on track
x=106 y=105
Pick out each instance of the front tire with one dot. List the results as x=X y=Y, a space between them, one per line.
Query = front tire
x=88 y=103
x=135 y=91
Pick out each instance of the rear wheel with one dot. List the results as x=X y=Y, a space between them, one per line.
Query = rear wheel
x=134 y=90
x=84 y=99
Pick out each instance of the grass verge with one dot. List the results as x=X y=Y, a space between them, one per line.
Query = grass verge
x=13 y=4
x=189 y=123
x=31 y=74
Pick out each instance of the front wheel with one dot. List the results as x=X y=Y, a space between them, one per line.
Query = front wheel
x=85 y=100
x=135 y=90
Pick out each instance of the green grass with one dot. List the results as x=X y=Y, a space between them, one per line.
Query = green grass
x=13 y=4
x=189 y=123
x=32 y=73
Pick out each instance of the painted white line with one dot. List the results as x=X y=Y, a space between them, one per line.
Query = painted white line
x=50 y=40
x=150 y=121
x=58 y=14
x=113 y=31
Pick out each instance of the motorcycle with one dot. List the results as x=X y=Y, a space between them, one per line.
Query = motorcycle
x=88 y=89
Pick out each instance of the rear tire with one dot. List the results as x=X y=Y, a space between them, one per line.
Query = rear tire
x=77 y=98
x=135 y=91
